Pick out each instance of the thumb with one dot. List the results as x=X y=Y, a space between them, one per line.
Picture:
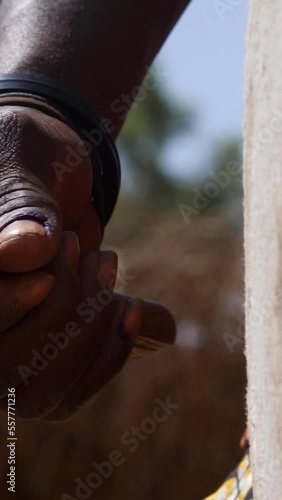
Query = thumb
x=28 y=242
x=30 y=219
x=25 y=246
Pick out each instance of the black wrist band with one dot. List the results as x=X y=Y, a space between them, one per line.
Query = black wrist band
x=87 y=122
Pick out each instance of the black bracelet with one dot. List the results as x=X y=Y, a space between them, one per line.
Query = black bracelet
x=88 y=124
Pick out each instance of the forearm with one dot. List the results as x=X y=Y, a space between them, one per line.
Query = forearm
x=101 y=48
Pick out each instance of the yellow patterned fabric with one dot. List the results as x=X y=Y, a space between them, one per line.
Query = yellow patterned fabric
x=238 y=485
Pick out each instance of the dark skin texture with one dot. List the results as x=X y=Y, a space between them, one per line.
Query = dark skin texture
x=103 y=50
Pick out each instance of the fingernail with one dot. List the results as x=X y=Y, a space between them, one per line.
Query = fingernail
x=36 y=291
x=107 y=263
x=21 y=228
x=131 y=321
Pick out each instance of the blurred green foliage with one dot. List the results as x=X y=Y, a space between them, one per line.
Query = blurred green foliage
x=149 y=187
x=148 y=129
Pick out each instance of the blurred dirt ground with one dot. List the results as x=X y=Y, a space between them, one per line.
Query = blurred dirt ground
x=197 y=271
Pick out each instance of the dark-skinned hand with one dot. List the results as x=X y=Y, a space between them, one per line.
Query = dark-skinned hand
x=50 y=270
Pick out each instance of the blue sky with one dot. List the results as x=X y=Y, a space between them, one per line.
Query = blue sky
x=204 y=58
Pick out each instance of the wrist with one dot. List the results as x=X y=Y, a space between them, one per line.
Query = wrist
x=87 y=124
x=25 y=101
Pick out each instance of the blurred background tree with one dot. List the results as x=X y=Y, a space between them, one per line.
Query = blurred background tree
x=148 y=186
x=150 y=126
